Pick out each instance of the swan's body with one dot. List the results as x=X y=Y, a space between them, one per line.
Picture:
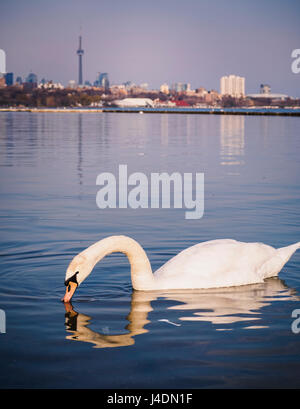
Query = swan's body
x=211 y=264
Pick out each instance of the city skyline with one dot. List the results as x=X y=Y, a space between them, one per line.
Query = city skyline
x=169 y=42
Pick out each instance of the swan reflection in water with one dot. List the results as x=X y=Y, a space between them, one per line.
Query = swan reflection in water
x=222 y=306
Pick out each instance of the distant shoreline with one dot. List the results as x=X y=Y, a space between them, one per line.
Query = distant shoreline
x=165 y=110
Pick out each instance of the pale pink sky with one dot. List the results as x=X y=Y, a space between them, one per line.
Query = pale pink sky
x=155 y=42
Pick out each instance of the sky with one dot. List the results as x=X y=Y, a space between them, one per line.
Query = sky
x=155 y=42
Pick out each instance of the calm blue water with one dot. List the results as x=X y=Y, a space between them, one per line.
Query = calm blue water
x=114 y=337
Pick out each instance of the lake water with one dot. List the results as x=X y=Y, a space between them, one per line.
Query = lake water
x=114 y=337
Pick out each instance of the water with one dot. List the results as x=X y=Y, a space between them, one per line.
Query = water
x=112 y=336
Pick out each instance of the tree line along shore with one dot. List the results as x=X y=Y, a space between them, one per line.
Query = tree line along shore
x=22 y=97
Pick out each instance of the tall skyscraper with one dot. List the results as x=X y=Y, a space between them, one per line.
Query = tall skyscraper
x=232 y=85
x=80 y=53
x=102 y=80
x=9 y=78
x=32 y=78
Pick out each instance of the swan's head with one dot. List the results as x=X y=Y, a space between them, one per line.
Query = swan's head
x=77 y=271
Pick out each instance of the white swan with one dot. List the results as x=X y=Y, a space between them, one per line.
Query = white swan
x=211 y=264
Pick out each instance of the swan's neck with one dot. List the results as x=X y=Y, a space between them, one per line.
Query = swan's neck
x=141 y=272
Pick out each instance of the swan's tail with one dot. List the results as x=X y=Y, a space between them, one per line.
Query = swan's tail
x=286 y=252
x=274 y=265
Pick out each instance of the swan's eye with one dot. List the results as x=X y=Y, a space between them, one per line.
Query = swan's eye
x=72 y=279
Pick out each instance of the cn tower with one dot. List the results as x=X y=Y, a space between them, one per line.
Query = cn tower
x=80 y=53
